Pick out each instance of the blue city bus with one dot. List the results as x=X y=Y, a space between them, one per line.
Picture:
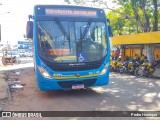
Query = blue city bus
x=71 y=46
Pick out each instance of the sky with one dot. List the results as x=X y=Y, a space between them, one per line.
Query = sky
x=13 y=24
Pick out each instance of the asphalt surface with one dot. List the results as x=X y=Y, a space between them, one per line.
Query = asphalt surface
x=124 y=93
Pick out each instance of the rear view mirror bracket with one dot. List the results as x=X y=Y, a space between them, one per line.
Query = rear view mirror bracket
x=30 y=17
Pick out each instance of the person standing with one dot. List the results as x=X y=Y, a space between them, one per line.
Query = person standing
x=112 y=55
x=142 y=59
x=116 y=55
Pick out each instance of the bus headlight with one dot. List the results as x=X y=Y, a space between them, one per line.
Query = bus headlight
x=44 y=72
x=104 y=69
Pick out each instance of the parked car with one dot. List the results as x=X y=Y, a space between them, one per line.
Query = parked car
x=22 y=54
x=29 y=54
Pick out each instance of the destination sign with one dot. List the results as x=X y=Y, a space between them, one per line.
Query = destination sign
x=90 y=13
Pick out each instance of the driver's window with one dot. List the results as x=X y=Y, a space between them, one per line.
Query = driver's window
x=98 y=34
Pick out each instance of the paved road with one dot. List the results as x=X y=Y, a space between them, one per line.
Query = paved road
x=124 y=93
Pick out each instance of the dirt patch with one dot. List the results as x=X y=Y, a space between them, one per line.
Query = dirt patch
x=12 y=85
x=3 y=89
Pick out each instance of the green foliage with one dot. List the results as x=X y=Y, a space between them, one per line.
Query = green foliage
x=135 y=16
x=129 y=16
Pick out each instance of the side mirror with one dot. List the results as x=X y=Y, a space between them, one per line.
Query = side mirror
x=110 y=31
x=29 y=29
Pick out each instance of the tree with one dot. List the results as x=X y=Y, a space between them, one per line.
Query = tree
x=155 y=24
x=142 y=11
x=139 y=15
x=146 y=15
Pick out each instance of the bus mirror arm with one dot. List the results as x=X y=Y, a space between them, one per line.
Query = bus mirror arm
x=30 y=17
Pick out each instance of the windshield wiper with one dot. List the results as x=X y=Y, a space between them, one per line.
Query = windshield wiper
x=86 y=29
x=69 y=39
x=81 y=38
x=83 y=35
x=63 y=31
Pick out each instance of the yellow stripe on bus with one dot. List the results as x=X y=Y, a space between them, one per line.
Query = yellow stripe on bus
x=74 y=77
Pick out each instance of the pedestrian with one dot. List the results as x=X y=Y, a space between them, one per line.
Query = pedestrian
x=142 y=59
x=137 y=57
x=116 y=55
x=112 y=55
x=157 y=58
x=127 y=58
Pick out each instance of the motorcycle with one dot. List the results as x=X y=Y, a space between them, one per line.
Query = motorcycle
x=123 y=68
x=129 y=66
x=146 y=69
x=6 y=60
x=115 y=66
x=10 y=57
x=112 y=66
x=132 y=66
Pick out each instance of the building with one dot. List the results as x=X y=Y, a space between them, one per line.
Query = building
x=24 y=46
x=142 y=43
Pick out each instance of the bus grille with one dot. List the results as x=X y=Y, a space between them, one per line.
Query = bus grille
x=75 y=68
x=68 y=84
x=68 y=67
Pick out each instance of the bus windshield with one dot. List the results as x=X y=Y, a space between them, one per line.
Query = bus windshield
x=71 y=41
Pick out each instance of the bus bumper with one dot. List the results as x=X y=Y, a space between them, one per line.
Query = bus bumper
x=52 y=84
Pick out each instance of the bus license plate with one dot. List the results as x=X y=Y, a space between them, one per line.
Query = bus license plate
x=77 y=86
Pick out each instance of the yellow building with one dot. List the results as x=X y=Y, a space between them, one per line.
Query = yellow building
x=134 y=44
